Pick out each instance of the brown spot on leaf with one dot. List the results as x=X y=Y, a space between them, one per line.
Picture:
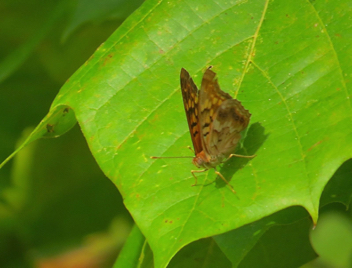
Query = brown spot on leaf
x=107 y=59
x=50 y=128
x=314 y=145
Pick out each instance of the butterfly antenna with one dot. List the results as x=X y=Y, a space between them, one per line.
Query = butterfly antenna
x=158 y=157
x=189 y=147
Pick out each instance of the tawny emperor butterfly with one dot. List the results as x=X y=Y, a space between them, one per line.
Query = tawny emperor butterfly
x=215 y=121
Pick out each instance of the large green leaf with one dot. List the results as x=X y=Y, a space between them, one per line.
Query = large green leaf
x=288 y=62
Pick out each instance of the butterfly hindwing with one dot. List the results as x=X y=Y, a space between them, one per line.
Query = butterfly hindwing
x=222 y=118
x=190 y=101
x=210 y=98
x=230 y=119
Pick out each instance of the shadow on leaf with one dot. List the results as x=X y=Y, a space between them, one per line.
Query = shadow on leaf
x=251 y=143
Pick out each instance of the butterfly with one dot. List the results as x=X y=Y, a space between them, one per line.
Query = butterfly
x=215 y=122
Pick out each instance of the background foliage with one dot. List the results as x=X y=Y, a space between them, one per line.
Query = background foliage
x=289 y=64
x=57 y=207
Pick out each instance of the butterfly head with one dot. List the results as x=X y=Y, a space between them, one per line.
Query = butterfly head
x=198 y=162
x=203 y=161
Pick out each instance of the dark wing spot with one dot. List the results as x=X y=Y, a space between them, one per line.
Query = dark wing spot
x=222 y=114
x=236 y=117
x=194 y=124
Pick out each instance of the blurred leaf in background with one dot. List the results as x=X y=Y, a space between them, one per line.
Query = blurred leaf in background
x=54 y=196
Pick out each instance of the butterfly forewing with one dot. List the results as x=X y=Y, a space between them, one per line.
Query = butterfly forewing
x=210 y=99
x=190 y=101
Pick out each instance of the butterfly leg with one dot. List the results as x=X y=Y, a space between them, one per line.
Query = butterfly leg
x=241 y=156
x=222 y=177
x=196 y=171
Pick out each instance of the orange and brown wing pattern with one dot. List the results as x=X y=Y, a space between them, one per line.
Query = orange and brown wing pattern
x=222 y=118
x=230 y=119
x=210 y=99
x=190 y=101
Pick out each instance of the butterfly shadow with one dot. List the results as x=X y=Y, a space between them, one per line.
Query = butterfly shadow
x=253 y=140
